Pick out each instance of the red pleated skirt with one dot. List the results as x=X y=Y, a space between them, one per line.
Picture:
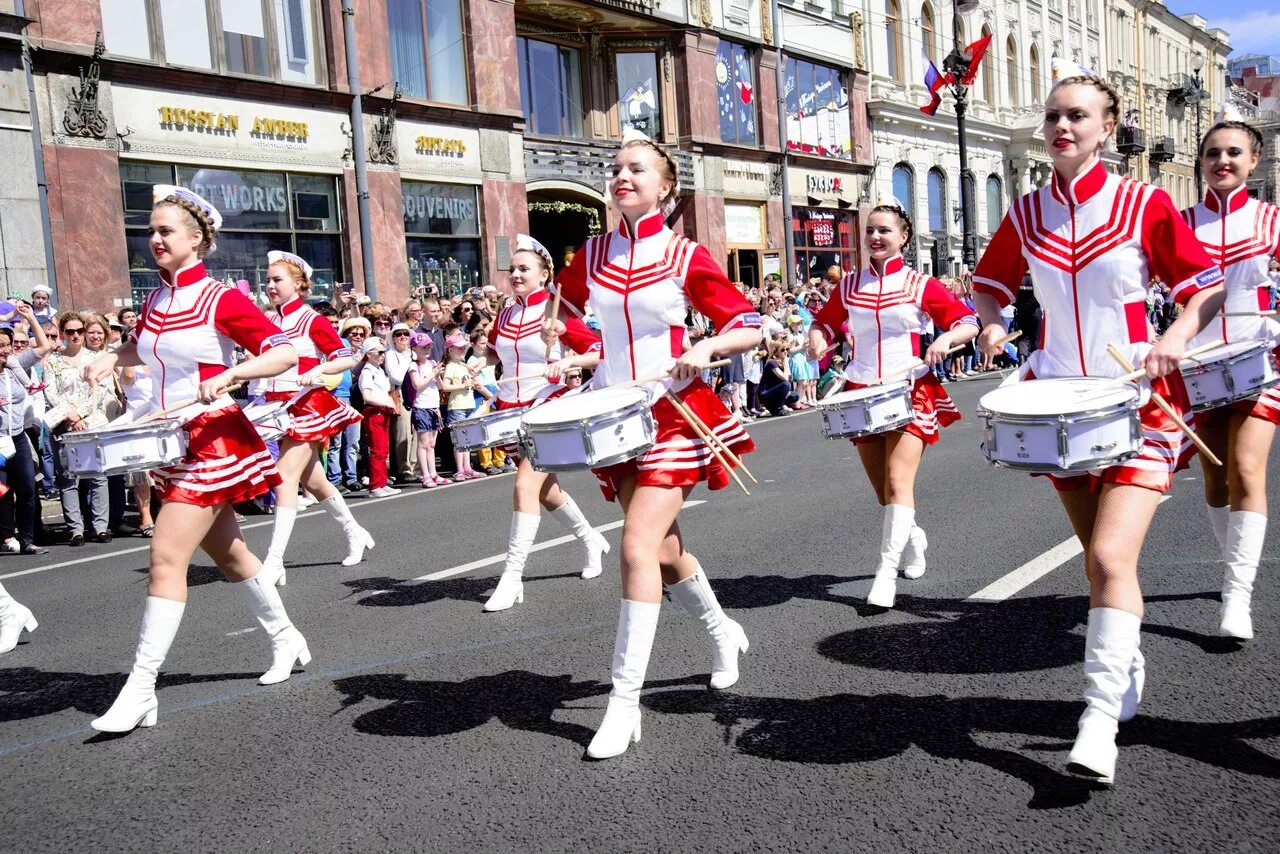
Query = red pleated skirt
x=226 y=462
x=317 y=416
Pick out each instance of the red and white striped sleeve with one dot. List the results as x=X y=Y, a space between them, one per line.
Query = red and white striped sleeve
x=833 y=314
x=711 y=293
x=236 y=317
x=571 y=281
x=326 y=339
x=1173 y=251
x=580 y=338
x=1002 y=265
x=945 y=309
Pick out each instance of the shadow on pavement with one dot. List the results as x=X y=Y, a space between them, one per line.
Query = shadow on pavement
x=197 y=575
x=847 y=728
x=26 y=692
x=395 y=593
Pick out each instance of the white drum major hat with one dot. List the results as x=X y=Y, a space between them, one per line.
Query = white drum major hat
x=275 y=256
x=163 y=191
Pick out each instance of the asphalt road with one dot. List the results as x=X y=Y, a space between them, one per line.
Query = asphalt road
x=424 y=724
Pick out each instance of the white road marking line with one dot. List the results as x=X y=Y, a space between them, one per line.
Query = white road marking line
x=241 y=632
x=363 y=502
x=499 y=558
x=1033 y=570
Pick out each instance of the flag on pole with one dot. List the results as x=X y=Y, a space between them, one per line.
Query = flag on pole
x=933 y=80
x=974 y=53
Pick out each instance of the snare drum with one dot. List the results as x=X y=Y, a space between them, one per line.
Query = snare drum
x=489 y=430
x=1060 y=425
x=270 y=419
x=589 y=430
x=1229 y=373
x=123 y=449
x=866 y=411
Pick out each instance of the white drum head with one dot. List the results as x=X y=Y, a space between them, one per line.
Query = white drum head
x=1226 y=351
x=844 y=397
x=592 y=404
x=1056 y=397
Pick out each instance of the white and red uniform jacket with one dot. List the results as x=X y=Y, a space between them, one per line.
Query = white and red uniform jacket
x=640 y=286
x=515 y=340
x=312 y=336
x=1091 y=247
x=187 y=331
x=885 y=313
x=1241 y=235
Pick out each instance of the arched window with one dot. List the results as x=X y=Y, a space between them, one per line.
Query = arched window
x=904 y=188
x=1011 y=71
x=1035 y=75
x=988 y=73
x=893 y=38
x=937 y=188
x=928 y=32
x=994 y=202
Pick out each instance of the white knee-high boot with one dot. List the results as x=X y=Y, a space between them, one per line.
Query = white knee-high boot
x=637 y=625
x=913 y=564
x=136 y=705
x=695 y=595
x=281 y=532
x=287 y=643
x=358 y=539
x=898 y=522
x=1219 y=517
x=596 y=545
x=1111 y=644
x=13 y=619
x=524 y=528
x=1246 y=532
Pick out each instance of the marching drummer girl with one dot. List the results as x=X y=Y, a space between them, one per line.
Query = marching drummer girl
x=640 y=278
x=885 y=306
x=315 y=415
x=515 y=342
x=1241 y=235
x=186 y=334
x=1090 y=239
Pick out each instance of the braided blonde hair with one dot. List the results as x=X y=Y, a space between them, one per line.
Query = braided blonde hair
x=198 y=221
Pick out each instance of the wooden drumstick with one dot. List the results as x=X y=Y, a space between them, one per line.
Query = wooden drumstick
x=1168 y=410
x=554 y=316
x=1247 y=313
x=657 y=378
x=706 y=437
x=517 y=379
x=698 y=424
x=169 y=410
x=915 y=363
x=1140 y=373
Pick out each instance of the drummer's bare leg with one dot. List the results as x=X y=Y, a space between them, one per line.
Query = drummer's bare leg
x=1249 y=447
x=1214 y=427
x=142 y=494
x=525 y=517
x=292 y=462
x=225 y=544
x=179 y=531
x=891 y=462
x=874 y=455
x=1113 y=664
x=565 y=509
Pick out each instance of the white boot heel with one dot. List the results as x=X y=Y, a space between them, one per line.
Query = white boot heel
x=895 y=533
x=510 y=592
x=1111 y=661
x=595 y=544
x=131 y=709
x=597 y=548
x=913 y=562
x=358 y=542
x=1246 y=532
x=619 y=730
x=884 y=590
x=286 y=647
x=12 y=623
x=695 y=595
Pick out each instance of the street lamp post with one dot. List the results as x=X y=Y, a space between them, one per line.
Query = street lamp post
x=1197 y=63
x=957 y=65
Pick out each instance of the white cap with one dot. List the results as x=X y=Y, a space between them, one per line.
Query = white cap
x=525 y=243
x=888 y=200
x=1064 y=68
x=374 y=343
x=41 y=289
x=162 y=191
x=400 y=327
x=275 y=256
x=1228 y=113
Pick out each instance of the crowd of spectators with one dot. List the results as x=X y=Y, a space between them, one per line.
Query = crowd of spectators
x=423 y=366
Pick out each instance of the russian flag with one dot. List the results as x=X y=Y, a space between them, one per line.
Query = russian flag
x=933 y=80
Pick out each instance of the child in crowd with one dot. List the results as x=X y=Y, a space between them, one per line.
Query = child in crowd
x=425 y=376
x=492 y=460
x=460 y=386
x=375 y=387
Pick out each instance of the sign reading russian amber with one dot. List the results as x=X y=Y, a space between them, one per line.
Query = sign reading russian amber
x=279 y=127
x=205 y=120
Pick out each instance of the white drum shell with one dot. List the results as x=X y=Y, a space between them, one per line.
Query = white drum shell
x=867 y=411
x=1230 y=373
x=587 y=441
x=1074 y=441
x=271 y=419
x=489 y=430
x=119 y=450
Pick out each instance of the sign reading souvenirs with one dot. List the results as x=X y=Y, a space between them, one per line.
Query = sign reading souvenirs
x=439 y=208
x=208 y=121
